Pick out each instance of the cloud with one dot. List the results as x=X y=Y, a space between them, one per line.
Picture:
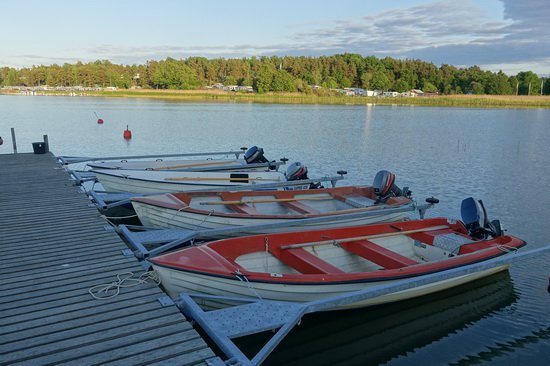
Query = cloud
x=399 y=31
x=444 y=31
x=451 y=32
x=407 y=32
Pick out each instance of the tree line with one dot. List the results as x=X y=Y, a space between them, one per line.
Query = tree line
x=282 y=74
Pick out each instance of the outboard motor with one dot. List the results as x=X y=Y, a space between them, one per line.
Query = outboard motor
x=297 y=171
x=255 y=155
x=384 y=186
x=475 y=219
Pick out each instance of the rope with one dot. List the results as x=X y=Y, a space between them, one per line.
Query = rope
x=507 y=249
x=238 y=274
x=110 y=290
x=108 y=218
x=108 y=221
x=118 y=217
x=197 y=226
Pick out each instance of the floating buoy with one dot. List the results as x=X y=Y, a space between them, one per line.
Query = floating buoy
x=99 y=120
x=127 y=133
x=1 y=141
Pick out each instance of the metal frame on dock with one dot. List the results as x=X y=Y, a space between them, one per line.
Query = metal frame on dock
x=254 y=317
x=138 y=237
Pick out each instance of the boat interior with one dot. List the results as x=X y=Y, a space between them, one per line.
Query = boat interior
x=363 y=255
x=308 y=202
x=394 y=250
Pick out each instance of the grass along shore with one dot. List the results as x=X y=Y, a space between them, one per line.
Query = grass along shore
x=473 y=101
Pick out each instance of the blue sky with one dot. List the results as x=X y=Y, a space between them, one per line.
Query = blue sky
x=508 y=35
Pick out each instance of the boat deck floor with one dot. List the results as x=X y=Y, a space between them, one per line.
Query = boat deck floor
x=55 y=247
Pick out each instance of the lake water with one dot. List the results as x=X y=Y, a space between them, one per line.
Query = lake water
x=499 y=155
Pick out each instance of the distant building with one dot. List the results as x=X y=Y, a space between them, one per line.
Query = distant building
x=392 y=94
x=238 y=88
x=353 y=91
x=373 y=93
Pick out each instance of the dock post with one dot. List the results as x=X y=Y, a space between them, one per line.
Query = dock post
x=46 y=145
x=13 y=140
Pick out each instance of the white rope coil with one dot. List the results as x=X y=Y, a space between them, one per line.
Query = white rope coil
x=110 y=290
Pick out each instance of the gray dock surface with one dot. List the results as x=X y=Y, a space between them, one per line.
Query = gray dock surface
x=54 y=248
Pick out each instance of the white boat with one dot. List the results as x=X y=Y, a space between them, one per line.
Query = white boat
x=253 y=160
x=196 y=210
x=155 y=181
x=313 y=265
x=159 y=164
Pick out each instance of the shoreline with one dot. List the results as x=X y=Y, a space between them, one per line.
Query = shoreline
x=471 y=101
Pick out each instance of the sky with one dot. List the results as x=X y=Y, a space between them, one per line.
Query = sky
x=507 y=35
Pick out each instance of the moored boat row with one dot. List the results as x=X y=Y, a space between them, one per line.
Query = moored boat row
x=280 y=249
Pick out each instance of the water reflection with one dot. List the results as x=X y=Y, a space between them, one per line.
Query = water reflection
x=379 y=334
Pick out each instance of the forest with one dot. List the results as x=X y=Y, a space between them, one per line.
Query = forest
x=282 y=74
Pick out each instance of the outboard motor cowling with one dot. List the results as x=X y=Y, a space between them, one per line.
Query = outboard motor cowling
x=296 y=171
x=384 y=186
x=474 y=217
x=255 y=155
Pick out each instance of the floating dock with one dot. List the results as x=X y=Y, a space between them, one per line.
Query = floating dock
x=55 y=247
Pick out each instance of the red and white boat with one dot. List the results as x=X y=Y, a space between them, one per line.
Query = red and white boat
x=195 y=210
x=311 y=265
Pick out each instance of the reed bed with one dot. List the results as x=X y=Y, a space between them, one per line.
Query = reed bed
x=472 y=101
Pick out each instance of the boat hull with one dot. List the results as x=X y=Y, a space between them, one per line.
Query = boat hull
x=176 y=281
x=162 y=217
x=150 y=182
x=174 y=165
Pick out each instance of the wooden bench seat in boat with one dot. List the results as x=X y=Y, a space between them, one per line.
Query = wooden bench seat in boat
x=377 y=254
x=301 y=208
x=306 y=262
x=244 y=208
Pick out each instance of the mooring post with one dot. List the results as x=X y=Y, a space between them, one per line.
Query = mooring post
x=13 y=140
x=46 y=145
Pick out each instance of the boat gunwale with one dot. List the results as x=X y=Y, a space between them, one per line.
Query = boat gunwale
x=185 y=198
x=494 y=249
x=250 y=278
x=107 y=172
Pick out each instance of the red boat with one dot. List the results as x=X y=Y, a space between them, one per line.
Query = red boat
x=310 y=265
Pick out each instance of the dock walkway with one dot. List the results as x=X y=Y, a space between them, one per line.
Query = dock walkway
x=54 y=249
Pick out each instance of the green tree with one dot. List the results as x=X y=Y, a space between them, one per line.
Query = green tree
x=529 y=83
x=230 y=80
x=263 y=80
x=11 y=78
x=402 y=85
x=282 y=82
x=380 y=81
x=428 y=87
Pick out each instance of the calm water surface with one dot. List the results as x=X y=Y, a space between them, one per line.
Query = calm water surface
x=499 y=155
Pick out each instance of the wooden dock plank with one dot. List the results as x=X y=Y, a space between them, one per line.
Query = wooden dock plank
x=55 y=248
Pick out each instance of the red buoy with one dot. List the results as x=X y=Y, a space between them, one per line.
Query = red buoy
x=99 y=120
x=127 y=133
